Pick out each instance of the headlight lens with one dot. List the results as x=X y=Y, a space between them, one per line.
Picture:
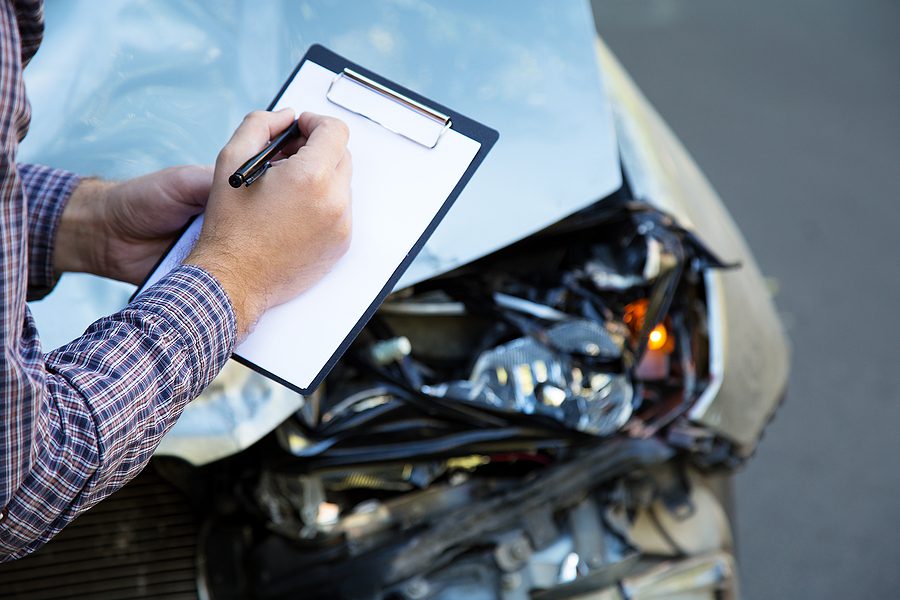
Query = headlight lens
x=530 y=377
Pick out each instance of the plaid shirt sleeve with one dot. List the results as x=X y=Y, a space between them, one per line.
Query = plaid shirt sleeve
x=86 y=418
x=46 y=191
x=79 y=422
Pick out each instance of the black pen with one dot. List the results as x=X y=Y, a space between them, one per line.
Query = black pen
x=251 y=170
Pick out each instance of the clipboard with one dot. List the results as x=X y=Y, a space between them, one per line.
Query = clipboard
x=412 y=158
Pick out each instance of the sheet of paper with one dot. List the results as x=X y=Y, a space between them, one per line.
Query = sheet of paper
x=398 y=187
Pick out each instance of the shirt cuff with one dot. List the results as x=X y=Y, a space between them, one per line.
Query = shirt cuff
x=194 y=303
x=46 y=190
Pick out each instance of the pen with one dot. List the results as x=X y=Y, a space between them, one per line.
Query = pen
x=251 y=170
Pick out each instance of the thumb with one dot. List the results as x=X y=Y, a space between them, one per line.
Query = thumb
x=190 y=184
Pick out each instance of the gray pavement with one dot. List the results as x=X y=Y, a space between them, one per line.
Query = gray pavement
x=792 y=109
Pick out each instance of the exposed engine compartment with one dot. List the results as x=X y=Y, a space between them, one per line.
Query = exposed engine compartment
x=508 y=410
x=517 y=428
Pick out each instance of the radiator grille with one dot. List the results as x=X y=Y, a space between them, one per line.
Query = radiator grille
x=140 y=542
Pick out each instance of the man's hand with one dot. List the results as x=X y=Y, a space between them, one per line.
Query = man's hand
x=119 y=230
x=265 y=243
x=269 y=242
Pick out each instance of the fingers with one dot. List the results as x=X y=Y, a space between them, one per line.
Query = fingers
x=319 y=153
x=291 y=148
x=344 y=168
x=190 y=184
x=326 y=140
x=344 y=171
x=254 y=133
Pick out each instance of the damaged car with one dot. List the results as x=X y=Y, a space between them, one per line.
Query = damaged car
x=549 y=405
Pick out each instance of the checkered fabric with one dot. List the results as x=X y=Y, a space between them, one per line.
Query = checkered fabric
x=78 y=423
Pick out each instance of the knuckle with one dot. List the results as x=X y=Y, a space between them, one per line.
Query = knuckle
x=336 y=127
x=315 y=177
x=341 y=128
x=226 y=156
x=335 y=211
x=255 y=115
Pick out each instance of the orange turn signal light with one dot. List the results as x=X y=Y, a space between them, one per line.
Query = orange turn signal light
x=635 y=313
x=658 y=338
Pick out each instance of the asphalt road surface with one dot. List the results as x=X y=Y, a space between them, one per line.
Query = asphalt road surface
x=792 y=109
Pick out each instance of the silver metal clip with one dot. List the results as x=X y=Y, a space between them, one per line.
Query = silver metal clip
x=426 y=129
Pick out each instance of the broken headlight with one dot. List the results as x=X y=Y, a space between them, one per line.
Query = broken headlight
x=478 y=401
x=591 y=329
x=545 y=378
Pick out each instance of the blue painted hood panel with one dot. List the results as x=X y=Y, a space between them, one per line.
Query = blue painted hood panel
x=129 y=87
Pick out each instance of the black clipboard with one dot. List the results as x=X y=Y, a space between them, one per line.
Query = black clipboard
x=358 y=75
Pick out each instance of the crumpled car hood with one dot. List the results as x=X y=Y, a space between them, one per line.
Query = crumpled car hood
x=139 y=86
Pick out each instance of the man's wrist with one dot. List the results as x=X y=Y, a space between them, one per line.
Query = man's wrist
x=248 y=306
x=81 y=236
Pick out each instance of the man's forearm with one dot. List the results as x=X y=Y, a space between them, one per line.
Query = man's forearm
x=106 y=399
x=81 y=233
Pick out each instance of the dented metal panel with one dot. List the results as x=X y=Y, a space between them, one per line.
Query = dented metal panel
x=750 y=354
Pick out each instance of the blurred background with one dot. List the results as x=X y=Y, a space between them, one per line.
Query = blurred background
x=792 y=109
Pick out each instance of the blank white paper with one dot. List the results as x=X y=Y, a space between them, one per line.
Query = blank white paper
x=398 y=187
